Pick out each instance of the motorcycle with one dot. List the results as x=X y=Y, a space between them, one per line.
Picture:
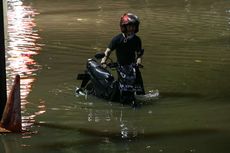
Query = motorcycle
x=99 y=81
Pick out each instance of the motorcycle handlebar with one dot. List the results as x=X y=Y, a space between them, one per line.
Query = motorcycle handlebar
x=114 y=65
x=140 y=66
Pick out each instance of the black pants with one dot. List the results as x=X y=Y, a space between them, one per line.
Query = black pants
x=139 y=82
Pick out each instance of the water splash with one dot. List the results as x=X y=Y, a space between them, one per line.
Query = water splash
x=149 y=97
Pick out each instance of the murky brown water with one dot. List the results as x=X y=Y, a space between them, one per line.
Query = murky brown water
x=187 y=59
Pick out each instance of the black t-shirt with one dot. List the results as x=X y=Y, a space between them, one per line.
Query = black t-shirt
x=126 y=49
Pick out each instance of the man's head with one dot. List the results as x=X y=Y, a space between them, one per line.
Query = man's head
x=129 y=23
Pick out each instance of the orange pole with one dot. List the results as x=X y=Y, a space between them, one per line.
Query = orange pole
x=3 y=90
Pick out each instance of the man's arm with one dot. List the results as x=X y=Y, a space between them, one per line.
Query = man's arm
x=107 y=53
x=139 y=56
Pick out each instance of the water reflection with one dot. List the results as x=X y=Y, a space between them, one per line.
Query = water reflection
x=228 y=18
x=188 y=6
x=22 y=45
x=125 y=127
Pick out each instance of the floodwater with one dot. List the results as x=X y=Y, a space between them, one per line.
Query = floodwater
x=187 y=58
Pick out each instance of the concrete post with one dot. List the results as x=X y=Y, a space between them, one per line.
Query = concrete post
x=3 y=89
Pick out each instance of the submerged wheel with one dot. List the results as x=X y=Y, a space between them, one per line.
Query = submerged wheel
x=127 y=97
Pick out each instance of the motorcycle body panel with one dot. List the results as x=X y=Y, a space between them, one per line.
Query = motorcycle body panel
x=102 y=80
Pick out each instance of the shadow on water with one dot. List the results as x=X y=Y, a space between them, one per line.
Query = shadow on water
x=114 y=135
x=94 y=138
x=180 y=94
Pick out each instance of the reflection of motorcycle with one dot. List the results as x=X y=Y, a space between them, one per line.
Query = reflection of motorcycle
x=98 y=81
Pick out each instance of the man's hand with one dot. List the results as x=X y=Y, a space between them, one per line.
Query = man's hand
x=103 y=64
x=138 y=61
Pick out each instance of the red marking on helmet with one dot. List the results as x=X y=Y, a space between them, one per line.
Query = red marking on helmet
x=126 y=18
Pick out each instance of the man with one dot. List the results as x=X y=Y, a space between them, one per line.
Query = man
x=128 y=46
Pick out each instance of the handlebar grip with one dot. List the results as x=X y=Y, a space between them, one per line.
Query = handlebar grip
x=112 y=65
x=140 y=66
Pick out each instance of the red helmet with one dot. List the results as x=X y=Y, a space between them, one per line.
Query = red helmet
x=129 y=18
